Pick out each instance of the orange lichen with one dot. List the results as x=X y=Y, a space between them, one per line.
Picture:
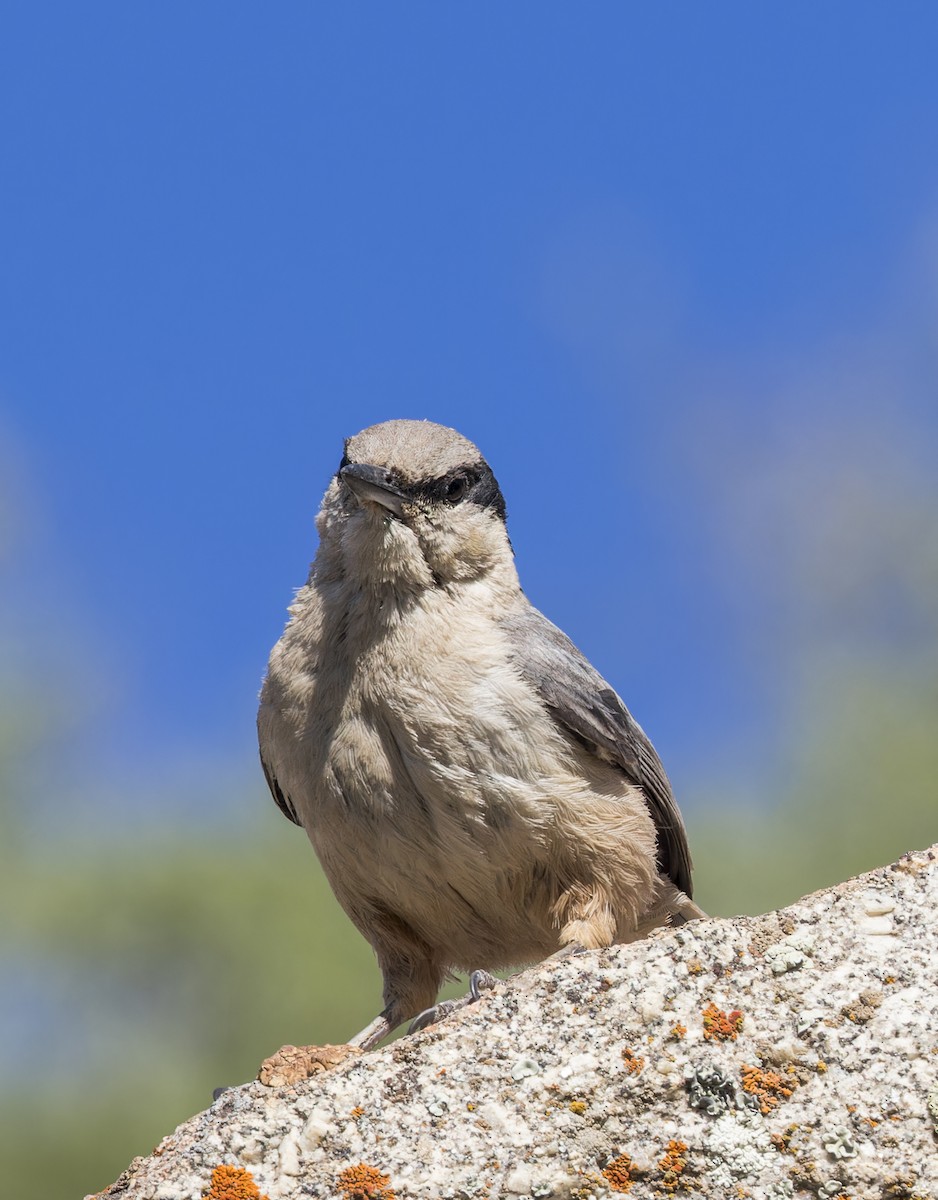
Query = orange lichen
x=720 y=1026
x=677 y=1031
x=233 y=1183
x=618 y=1173
x=782 y=1141
x=357 y=1112
x=362 y=1182
x=768 y=1087
x=672 y=1165
x=634 y=1063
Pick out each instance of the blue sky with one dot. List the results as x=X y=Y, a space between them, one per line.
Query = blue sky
x=638 y=253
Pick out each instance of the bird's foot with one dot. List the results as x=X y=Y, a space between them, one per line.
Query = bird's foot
x=567 y=951
x=479 y=982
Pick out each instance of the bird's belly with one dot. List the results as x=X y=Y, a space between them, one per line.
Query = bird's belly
x=445 y=833
x=470 y=908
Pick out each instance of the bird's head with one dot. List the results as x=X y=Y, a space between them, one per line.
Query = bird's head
x=413 y=505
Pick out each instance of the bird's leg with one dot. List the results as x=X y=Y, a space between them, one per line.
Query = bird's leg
x=372 y=1034
x=479 y=982
x=585 y=919
x=412 y=979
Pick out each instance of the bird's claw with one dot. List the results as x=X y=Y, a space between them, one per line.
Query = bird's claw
x=430 y=1016
x=479 y=982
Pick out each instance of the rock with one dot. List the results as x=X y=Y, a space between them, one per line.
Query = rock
x=790 y=1054
x=293 y=1064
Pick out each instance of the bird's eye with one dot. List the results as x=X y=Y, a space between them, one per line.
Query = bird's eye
x=456 y=488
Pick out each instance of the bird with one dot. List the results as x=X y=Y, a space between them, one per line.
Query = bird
x=478 y=796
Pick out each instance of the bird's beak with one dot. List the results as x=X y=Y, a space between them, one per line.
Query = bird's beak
x=372 y=483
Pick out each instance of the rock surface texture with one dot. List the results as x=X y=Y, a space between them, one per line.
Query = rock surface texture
x=785 y=1055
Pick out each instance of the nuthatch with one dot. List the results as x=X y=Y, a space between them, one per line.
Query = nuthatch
x=477 y=794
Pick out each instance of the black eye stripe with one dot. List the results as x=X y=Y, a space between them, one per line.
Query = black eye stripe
x=481 y=488
x=487 y=494
x=474 y=484
x=453 y=486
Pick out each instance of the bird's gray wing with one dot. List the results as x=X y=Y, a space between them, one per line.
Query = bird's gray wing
x=282 y=801
x=580 y=700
